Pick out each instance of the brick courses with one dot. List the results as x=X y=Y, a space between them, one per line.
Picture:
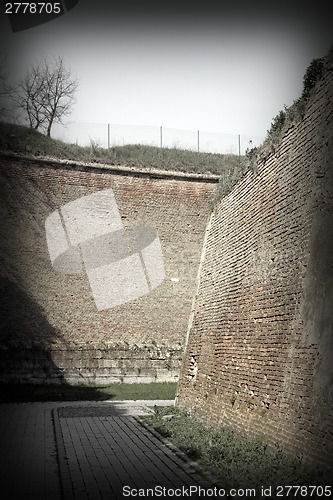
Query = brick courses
x=56 y=311
x=260 y=343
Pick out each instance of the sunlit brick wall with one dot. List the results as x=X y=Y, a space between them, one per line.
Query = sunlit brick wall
x=41 y=306
x=260 y=349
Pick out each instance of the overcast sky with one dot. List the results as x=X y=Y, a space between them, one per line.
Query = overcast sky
x=219 y=69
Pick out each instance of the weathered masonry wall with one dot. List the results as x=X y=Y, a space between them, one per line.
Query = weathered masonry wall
x=50 y=327
x=97 y=363
x=260 y=347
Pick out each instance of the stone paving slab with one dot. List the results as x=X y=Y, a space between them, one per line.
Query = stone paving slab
x=87 y=450
x=106 y=454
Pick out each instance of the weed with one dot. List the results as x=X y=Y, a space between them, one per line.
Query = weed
x=235 y=462
x=95 y=146
x=313 y=73
x=251 y=156
x=296 y=111
x=229 y=178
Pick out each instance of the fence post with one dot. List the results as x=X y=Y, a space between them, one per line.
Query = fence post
x=239 y=148
x=198 y=141
x=108 y=135
x=161 y=137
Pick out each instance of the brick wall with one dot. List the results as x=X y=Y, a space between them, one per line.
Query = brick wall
x=41 y=308
x=260 y=346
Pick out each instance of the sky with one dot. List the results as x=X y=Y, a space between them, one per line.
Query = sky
x=226 y=68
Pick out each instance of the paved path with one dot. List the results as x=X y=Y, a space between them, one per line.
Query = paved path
x=88 y=450
x=28 y=457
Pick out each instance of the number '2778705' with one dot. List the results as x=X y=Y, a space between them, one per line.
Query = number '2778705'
x=33 y=8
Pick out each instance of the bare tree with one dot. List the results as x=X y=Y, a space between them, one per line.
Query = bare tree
x=29 y=96
x=46 y=94
x=59 y=94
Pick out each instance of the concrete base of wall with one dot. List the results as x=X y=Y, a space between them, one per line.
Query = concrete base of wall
x=89 y=364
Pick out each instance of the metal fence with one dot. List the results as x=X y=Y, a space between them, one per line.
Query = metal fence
x=108 y=135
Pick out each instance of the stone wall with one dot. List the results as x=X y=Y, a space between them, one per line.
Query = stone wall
x=260 y=345
x=81 y=363
x=42 y=309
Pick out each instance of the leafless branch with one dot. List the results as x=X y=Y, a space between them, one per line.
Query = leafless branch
x=46 y=94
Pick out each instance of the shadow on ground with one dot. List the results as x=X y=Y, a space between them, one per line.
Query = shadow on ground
x=23 y=393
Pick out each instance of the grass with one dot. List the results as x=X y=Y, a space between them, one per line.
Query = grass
x=19 y=393
x=234 y=462
x=23 y=140
x=295 y=112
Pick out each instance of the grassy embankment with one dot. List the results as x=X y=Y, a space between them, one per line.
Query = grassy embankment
x=22 y=140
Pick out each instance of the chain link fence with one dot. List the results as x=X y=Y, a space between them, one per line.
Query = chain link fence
x=108 y=135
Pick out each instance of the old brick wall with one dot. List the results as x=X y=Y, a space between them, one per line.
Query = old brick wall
x=41 y=308
x=260 y=347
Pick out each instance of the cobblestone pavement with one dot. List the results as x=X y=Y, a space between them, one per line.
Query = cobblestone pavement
x=88 y=450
